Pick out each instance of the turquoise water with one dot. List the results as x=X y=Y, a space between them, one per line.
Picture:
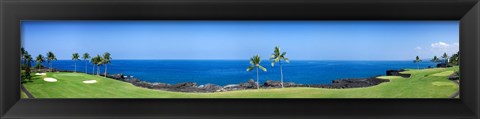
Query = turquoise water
x=223 y=72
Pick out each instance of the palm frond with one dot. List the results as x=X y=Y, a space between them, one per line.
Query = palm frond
x=40 y=58
x=262 y=68
x=277 y=59
x=283 y=54
x=85 y=56
x=75 y=56
x=250 y=68
x=273 y=56
x=277 y=50
x=256 y=60
x=286 y=60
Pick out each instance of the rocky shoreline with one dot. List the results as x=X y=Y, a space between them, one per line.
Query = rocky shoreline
x=397 y=73
x=208 y=88
x=193 y=87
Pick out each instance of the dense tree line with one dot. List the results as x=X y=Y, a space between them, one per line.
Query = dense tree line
x=26 y=63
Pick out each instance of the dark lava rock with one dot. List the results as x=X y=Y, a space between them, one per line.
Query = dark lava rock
x=231 y=87
x=292 y=84
x=351 y=83
x=397 y=73
x=116 y=76
x=212 y=88
x=143 y=84
x=249 y=85
x=160 y=86
x=454 y=76
x=186 y=89
x=184 y=85
x=270 y=83
x=394 y=72
x=133 y=80
x=443 y=65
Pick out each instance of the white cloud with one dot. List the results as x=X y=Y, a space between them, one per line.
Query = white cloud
x=456 y=44
x=440 y=45
x=418 y=48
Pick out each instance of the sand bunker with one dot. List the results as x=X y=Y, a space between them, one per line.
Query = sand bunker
x=90 y=81
x=40 y=74
x=50 y=80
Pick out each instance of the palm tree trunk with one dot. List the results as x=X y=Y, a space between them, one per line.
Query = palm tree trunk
x=86 y=68
x=258 y=86
x=75 y=66
x=93 y=69
x=98 y=70
x=36 y=63
x=281 y=73
x=105 y=70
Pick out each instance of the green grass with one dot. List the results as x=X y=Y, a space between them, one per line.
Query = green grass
x=445 y=73
x=425 y=83
x=23 y=95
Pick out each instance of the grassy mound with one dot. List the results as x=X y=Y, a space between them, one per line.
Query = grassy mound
x=425 y=83
x=445 y=73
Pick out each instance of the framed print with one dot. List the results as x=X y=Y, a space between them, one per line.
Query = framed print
x=239 y=59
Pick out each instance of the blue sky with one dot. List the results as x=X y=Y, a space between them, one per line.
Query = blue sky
x=302 y=40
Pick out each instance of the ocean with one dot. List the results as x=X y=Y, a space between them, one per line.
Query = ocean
x=224 y=72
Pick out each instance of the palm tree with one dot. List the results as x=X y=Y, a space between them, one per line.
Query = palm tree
x=75 y=57
x=435 y=59
x=85 y=57
x=28 y=60
x=22 y=51
x=445 y=57
x=50 y=58
x=99 y=64
x=39 y=60
x=22 y=55
x=455 y=59
x=277 y=57
x=416 y=61
x=93 y=61
x=106 y=60
x=255 y=63
x=97 y=60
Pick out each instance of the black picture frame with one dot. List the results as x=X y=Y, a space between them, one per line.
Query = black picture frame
x=13 y=11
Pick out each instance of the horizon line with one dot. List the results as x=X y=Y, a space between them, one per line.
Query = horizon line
x=268 y=59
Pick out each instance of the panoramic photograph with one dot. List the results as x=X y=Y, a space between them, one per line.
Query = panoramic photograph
x=239 y=59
